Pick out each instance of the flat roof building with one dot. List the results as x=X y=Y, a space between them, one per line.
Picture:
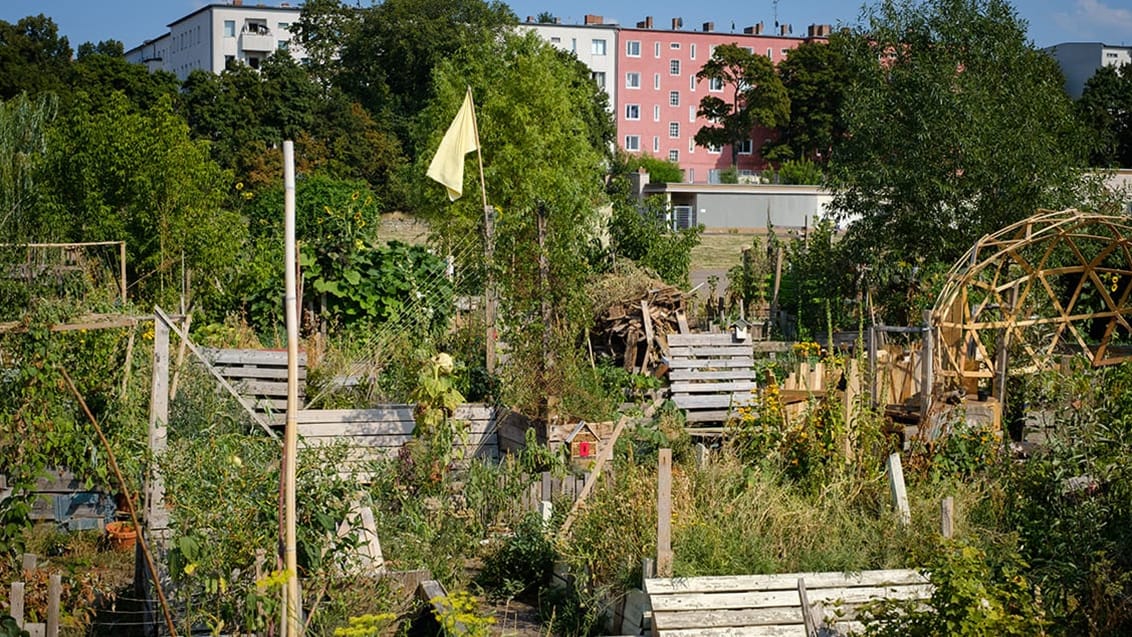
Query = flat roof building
x=1080 y=60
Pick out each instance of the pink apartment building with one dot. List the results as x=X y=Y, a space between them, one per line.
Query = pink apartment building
x=657 y=93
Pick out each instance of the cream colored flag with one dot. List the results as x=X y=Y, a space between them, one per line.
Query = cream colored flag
x=447 y=166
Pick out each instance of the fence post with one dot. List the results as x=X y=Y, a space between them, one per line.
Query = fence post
x=54 y=590
x=947 y=517
x=899 y=492
x=16 y=603
x=664 y=513
x=927 y=367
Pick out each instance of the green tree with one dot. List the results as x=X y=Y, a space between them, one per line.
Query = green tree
x=1106 y=108
x=756 y=98
x=124 y=174
x=539 y=161
x=100 y=70
x=33 y=56
x=388 y=59
x=816 y=78
x=956 y=126
x=661 y=171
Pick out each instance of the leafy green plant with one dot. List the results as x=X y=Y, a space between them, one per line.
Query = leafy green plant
x=973 y=595
x=521 y=563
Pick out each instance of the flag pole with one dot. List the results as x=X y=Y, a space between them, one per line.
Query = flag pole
x=489 y=250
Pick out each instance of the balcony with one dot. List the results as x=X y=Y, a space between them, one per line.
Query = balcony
x=257 y=38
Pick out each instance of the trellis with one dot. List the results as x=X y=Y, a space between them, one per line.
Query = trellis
x=1056 y=282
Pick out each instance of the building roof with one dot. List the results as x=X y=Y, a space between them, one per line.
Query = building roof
x=258 y=7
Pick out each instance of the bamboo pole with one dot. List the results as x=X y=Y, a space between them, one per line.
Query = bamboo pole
x=292 y=609
x=489 y=249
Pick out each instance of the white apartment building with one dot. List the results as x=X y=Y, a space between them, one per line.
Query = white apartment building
x=1080 y=60
x=594 y=42
x=215 y=34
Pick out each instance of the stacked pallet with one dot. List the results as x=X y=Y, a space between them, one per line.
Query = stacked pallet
x=634 y=330
x=260 y=376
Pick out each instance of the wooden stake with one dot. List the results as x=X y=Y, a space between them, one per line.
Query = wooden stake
x=899 y=492
x=947 y=517
x=664 y=513
x=54 y=590
x=156 y=516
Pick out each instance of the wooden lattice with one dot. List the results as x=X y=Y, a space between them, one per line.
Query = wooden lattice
x=1057 y=282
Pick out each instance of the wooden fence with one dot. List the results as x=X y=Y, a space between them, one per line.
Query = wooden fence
x=17 y=597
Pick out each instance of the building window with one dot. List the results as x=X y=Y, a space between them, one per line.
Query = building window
x=598 y=47
x=655 y=144
x=632 y=80
x=674 y=129
x=693 y=51
x=281 y=45
x=673 y=98
x=674 y=46
x=229 y=28
x=674 y=67
x=633 y=111
x=599 y=78
x=656 y=49
x=715 y=85
x=253 y=62
x=555 y=40
x=633 y=48
x=656 y=112
x=284 y=27
x=673 y=155
x=712 y=149
x=632 y=143
x=692 y=83
x=228 y=59
x=770 y=54
x=691 y=145
x=573 y=45
x=745 y=147
x=656 y=81
x=691 y=113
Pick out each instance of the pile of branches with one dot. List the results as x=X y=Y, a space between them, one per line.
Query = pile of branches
x=633 y=315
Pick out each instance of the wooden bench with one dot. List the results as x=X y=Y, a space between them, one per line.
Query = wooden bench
x=771 y=605
x=258 y=375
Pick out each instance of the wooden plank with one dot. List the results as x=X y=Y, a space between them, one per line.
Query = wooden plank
x=784 y=598
x=713 y=401
x=54 y=591
x=712 y=352
x=780 y=616
x=738 y=631
x=703 y=374
x=703 y=338
x=362 y=430
x=947 y=517
x=257 y=357
x=706 y=416
x=693 y=388
x=681 y=323
x=715 y=363
x=782 y=581
x=270 y=373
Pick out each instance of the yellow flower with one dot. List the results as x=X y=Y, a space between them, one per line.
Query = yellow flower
x=190 y=568
x=239 y=185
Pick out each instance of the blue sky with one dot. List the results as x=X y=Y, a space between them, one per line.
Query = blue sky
x=1051 y=22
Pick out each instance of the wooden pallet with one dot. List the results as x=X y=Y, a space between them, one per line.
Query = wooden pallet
x=771 y=605
x=376 y=434
x=258 y=375
x=710 y=375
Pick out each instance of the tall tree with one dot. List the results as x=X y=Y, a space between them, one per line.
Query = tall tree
x=119 y=173
x=1106 y=107
x=391 y=54
x=956 y=126
x=33 y=56
x=541 y=160
x=756 y=97
x=816 y=78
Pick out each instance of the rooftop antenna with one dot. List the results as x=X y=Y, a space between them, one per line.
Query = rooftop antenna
x=775 y=3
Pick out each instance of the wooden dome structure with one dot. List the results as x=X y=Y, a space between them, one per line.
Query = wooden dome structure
x=1055 y=283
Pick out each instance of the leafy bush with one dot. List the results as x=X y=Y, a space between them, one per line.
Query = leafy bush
x=972 y=596
x=640 y=231
x=800 y=171
x=521 y=563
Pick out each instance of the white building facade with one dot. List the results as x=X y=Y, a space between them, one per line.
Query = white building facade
x=594 y=43
x=1080 y=60
x=210 y=37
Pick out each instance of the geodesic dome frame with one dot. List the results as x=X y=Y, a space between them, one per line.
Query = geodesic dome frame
x=1054 y=283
